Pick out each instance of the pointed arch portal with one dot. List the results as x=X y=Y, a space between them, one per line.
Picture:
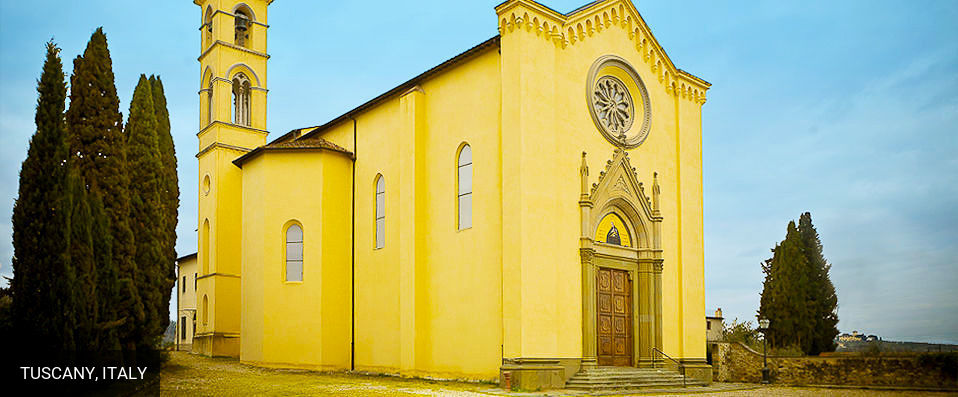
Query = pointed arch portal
x=622 y=265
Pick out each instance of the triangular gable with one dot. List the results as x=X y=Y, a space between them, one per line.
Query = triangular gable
x=568 y=29
x=619 y=179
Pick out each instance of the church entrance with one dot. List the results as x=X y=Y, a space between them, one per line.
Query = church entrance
x=614 y=301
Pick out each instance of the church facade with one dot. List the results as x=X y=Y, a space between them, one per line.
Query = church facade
x=527 y=209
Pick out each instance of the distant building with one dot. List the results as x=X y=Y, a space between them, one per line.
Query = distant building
x=854 y=337
x=186 y=301
x=713 y=327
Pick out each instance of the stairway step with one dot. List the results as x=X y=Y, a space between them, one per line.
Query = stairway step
x=623 y=378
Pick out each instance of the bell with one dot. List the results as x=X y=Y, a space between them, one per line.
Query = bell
x=241 y=22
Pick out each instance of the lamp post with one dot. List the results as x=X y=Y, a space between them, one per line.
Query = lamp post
x=763 y=327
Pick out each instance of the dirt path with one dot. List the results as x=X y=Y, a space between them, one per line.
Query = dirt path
x=190 y=375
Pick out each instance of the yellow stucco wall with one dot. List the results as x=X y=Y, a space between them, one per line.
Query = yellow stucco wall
x=186 y=273
x=296 y=323
x=436 y=300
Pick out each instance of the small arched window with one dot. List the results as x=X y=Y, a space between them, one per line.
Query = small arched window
x=206 y=310
x=209 y=102
x=464 y=182
x=207 y=27
x=241 y=23
x=380 y=211
x=241 y=99
x=205 y=240
x=294 y=253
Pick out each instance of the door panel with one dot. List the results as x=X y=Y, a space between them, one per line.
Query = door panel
x=614 y=304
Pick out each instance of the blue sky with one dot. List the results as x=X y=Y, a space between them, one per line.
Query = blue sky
x=846 y=109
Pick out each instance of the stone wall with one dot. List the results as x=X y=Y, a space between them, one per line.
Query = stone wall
x=735 y=362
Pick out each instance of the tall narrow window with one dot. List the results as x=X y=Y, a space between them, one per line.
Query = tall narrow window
x=184 y=283
x=241 y=23
x=205 y=240
x=206 y=310
x=380 y=211
x=207 y=27
x=294 y=253
x=464 y=182
x=195 y=277
x=183 y=327
x=209 y=103
x=241 y=99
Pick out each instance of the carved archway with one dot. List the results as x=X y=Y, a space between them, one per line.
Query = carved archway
x=619 y=192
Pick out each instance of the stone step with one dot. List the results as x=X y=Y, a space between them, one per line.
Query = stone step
x=634 y=386
x=612 y=378
x=624 y=378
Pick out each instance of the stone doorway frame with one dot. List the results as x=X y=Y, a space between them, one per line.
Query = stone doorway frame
x=619 y=191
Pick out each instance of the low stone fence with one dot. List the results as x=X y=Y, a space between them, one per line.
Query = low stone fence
x=735 y=362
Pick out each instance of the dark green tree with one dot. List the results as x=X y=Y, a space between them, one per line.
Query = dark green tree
x=42 y=283
x=783 y=298
x=99 y=154
x=169 y=189
x=107 y=274
x=822 y=299
x=146 y=221
x=83 y=261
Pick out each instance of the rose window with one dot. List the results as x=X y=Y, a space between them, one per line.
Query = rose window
x=613 y=105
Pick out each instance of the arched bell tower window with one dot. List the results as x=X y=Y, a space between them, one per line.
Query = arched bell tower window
x=241 y=27
x=207 y=27
x=241 y=99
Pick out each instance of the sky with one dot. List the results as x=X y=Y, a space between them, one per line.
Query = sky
x=845 y=109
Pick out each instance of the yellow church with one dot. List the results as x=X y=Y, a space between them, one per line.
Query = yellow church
x=528 y=212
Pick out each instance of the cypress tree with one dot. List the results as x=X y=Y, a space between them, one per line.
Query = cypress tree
x=145 y=216
x=823 y=301
x=169 y=190
x=43 y=302
x=783 y=299
x=84 y=262
x=107 y=276
x=98 y=149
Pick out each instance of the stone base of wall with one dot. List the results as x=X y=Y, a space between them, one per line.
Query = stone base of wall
x=216 y=345
x=735 y=362
x=536 y=373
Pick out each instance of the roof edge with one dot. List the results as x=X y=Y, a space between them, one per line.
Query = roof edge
x=475 y=50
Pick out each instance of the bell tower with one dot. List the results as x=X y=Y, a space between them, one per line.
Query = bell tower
x=232 y=120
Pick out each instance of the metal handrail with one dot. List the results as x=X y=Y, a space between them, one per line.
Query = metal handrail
x=677 y=364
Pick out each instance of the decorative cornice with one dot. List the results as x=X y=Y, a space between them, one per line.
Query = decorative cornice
x=243 y=127
x=233 y=46
x=569 y=29
x=215 y=145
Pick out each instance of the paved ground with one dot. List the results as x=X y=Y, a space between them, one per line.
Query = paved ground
x=187 y=374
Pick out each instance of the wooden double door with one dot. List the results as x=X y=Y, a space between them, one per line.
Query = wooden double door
x=614 y=323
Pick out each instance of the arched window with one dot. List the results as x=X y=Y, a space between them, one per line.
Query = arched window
x=380 y=211
x=209 y=102
x=241 y=27
x=464 y=182
x=294 y=253
x=241 y=93
x=205 y=240
x=206 y=310
x=207 y=27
